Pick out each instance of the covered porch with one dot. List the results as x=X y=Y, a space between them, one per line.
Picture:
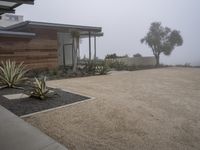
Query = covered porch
x=69 y=47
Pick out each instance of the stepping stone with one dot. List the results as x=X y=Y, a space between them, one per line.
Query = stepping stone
x=16 y=96
x=50 y=91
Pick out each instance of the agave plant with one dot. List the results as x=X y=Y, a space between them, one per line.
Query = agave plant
x=11 y=74
x=40 y=89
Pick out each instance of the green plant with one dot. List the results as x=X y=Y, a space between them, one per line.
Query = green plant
x=162 y=40
x=11 y=74
x=137 y=55
x=90 y=67
x=102 y=69
x=40 y=89
x=53 y=72
x=117 y=65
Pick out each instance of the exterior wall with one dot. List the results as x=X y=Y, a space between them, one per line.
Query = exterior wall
x=36 y=53
x=64 y=38
x=136 y=61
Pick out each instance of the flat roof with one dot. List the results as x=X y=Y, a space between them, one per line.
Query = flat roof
x=86 y=35
x=8 y=6
x=17 y=29
x=56 y=26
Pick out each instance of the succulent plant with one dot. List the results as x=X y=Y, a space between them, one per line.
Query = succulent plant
x=11 y=73
x=40 y=89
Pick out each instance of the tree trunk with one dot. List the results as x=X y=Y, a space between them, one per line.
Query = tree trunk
x=157 y=60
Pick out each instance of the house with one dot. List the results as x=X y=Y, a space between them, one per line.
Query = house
x=42 y=44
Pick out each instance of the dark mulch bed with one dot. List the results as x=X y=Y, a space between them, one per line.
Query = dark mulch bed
x=30 y=105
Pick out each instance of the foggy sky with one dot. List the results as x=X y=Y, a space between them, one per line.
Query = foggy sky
x=125 y=22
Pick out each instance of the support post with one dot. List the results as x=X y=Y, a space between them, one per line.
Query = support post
x=74 y=54
x=90 y=54
x=64 y=64
x=95 y=48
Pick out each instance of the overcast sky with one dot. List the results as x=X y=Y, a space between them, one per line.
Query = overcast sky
x=125 y=22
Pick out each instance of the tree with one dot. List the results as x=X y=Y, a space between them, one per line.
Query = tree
x=137 y=55
x=111 y=56
x=162 y=40
x=114 y=56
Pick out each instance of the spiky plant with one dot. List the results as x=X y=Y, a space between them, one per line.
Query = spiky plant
x=40 y=89
x=11 y=73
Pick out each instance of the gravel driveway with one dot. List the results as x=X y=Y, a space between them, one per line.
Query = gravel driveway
x=156 y=109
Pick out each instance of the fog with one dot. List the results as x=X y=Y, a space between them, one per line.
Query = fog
x=125 y=22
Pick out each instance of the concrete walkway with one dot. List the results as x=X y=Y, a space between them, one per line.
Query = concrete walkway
x=16 y=134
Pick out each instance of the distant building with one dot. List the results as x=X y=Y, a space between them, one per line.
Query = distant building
x=10 y=19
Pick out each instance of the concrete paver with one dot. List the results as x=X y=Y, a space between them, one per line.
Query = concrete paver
x=16 y=134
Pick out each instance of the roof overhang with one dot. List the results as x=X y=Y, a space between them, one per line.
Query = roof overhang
x=16 y=34
x=85 y=31
x=54 y=26
x=8 y=6
x=86 y=35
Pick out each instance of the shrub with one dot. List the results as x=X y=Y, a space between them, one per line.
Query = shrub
x=40 y=89
x=12 y=74
x=111 y=56
x=137 y=55
x=96 y=67
x=117 y=65
x=53 y=72
x=90 y=67
x=102 y=69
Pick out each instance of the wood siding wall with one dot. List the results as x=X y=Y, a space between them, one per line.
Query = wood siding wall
x=39 y=52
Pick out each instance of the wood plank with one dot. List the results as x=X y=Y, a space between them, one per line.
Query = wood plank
x=34 y=44
x=39 y=52
x=12 y=51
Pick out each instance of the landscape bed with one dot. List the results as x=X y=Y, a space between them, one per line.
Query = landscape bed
x=24 y=105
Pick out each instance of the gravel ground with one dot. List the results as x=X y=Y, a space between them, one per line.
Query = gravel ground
x=156 y=109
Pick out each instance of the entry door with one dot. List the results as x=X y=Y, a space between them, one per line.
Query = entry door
x=68 y=55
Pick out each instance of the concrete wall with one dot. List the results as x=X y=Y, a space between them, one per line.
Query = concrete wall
x=136 y=61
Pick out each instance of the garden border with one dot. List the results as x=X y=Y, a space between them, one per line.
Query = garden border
x=59 y=107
